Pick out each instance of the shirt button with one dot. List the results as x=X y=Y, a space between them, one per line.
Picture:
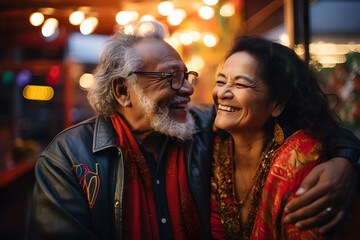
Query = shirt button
x=163 y=220
x=117 y=204
x=157 y=181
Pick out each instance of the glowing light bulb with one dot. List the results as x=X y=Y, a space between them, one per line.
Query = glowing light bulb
x=227 y=10
x=209 y=40
x=86 y=80
x=88 y=25
x=49 y=27
x=147 y=18
x=165 y=8
x=76 y=17
x=206 y=12
x=124 y=17
x=210 y=2
x=36 y=18
x=176 y=17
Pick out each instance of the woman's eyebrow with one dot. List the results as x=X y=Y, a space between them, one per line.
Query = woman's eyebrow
x=221 y=75
x=248 y=79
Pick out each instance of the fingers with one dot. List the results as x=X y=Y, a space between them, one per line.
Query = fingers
x=336 y=221
x=319 y=220
x=308 y=183
x=312 y=213
x=314 y=200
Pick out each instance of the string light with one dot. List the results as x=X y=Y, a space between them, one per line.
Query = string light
x=206 y=12
x=227 y=10
x=210 y=2
x=36 y=18
x=86 y=80
x=165 y=8
x=176 y=17
x=209 y=40
x=49 y=27
x=88 y=25
x=76 y=17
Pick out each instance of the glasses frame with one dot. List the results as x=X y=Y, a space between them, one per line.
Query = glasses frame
x=170 y=75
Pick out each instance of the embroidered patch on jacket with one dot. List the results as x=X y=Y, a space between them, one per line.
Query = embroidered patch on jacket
x=89 y=181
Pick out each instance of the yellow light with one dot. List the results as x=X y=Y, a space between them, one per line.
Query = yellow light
x=124 y=17
x=196 y=63
x=86 y=80
x=284 y=39
x=174 y=40
x=88 y=25
x=145 y=28
x=195 y=36
x=206 y=12
x=76 y=17
x=36 y=18
x=42 y=93
x=49 y=27
x=129 y=29
x=165 y=8
x=210 y=2
x=210 y=40
x=227 y=10
x=147 y=18
x=185 y=39
x=176 y=17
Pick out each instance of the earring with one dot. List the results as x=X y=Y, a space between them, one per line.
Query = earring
x=278 y=134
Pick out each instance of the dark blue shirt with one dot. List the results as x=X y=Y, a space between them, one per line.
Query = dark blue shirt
x=157 y=171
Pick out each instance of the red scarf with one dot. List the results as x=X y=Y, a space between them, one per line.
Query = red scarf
x=139 y=213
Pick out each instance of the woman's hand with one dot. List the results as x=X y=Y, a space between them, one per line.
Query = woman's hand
x=325 y=197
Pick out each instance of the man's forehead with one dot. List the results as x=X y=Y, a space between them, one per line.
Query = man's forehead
x=159 y=53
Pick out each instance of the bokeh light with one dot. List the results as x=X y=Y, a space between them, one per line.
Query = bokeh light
x=23 y=77
x=76 y=17
x=86 y=80
x=176 y=17
x=7 y=77
x=209 y=40
x=165 y=8
x=124 y=17
x=206 y=12
x=227 y=10
x=88 y=25
x=34 y=92
x=49 y=27
x=210 y=2
x=36 y=18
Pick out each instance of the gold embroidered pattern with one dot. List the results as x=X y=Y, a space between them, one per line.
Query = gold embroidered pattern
x=222 y=185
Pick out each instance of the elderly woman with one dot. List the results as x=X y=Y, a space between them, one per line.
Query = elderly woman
x=274 y=123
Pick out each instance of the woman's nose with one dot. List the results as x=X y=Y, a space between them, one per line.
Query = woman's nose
x=225 y=92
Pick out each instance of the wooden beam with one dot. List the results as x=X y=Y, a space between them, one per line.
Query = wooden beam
x=263 y=14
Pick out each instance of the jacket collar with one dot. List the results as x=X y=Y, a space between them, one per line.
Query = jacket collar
x=104 y=136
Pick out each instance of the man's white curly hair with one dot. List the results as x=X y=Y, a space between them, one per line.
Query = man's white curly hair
x=118 y=59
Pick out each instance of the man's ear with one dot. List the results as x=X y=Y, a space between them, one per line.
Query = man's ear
x=278 y=109
x=121 y=92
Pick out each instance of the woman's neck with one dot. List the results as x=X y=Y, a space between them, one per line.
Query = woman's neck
x=248 y=149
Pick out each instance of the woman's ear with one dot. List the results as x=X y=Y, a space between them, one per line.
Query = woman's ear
x=278 y=109
x=121 y=92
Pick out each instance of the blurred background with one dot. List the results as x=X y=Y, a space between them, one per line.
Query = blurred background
x=49 y=48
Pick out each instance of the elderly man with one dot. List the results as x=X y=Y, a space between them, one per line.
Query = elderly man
x=139 y=170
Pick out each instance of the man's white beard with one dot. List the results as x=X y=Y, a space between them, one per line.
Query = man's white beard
x=160 y=120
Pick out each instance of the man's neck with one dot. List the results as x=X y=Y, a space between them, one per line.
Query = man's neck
x=152 y=143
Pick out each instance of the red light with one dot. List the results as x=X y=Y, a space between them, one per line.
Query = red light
x=53 y=76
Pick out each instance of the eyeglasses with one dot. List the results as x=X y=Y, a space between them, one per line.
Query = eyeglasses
x=177 y=77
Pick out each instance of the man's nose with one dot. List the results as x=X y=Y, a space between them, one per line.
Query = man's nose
x=186 y=89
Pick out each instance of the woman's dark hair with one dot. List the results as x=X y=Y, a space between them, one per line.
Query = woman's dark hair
x=291 y=83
